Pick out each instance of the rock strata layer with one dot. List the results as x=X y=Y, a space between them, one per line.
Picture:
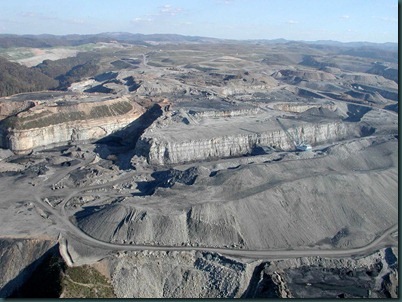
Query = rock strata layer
x=211 y=139
x=62 y=121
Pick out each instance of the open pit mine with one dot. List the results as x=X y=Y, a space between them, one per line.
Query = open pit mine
x=197 y=171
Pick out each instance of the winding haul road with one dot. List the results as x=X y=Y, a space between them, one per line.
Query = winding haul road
x=60 y=216
x=76 y=233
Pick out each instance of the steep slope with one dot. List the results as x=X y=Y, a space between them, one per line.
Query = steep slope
x=66 y=118
x=229 y=133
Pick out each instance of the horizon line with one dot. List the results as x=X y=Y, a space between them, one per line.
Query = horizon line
x=197 y=36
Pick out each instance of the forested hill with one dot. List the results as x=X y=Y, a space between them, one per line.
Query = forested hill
x=58 y=74
x=15 y=78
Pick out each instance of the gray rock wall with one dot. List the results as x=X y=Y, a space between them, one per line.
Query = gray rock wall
x=55 y=124
x=162 y=152
x=23 y=141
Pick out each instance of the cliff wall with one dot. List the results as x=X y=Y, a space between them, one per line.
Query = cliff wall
x=161 y=151
x=59 y=124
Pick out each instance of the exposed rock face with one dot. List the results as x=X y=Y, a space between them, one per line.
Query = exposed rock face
x=210 y=275
x=18 y=259
x=302 y=107
x=177 y=275
x=64 y=121
x=223 y=113
x=163 y=151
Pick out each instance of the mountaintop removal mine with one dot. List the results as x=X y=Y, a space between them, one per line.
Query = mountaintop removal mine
x=201 y=170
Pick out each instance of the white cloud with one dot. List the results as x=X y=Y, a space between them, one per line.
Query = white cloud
x=292 y=22
x=142 y=19
x=170 y=10
x=345 y=17
x=165 y=11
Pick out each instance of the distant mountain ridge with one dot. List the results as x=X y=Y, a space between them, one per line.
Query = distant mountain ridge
x=48 y=40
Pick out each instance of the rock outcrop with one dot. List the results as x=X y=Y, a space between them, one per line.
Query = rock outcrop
x=60 y=121
x=302 y=107
x=162 y=150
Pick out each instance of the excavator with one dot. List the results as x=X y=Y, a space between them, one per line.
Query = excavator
x=299 y=144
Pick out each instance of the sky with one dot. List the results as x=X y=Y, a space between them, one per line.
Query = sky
x=308 y=20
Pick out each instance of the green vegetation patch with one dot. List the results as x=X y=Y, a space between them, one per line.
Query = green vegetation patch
x=71 y=69
x=111 y=110
x=53 y=278
x=119 y=64
x=85 y=282
x=47 y=118
x=15 y=78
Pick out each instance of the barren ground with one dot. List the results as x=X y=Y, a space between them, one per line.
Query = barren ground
x=213 y=170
